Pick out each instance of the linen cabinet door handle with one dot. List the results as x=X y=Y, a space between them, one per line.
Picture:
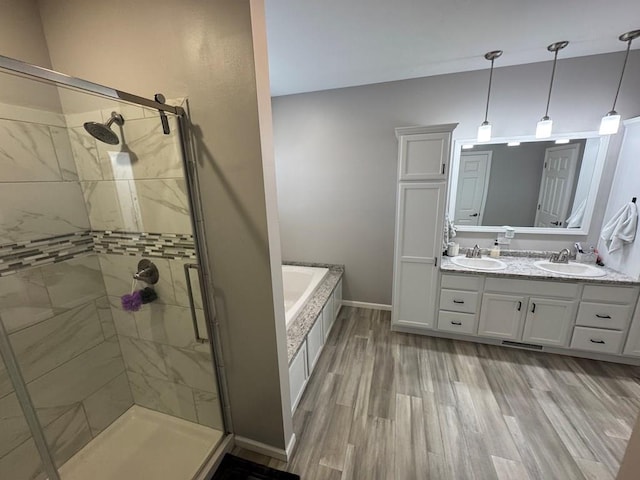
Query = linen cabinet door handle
x=194 y=318
x=602 y=316
x=458 y=301
x=533 y=308
x=519 y=306
x=455 y=323
x=596 y=341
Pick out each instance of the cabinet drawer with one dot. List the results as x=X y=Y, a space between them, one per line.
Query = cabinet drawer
x=457 y=322
x=458 y=301
x=597 y=340
x=603 y=315
x=599 y=293
x=531 y=287
x=461 y=282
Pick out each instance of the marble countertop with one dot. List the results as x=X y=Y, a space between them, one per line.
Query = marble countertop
x=523 y=267
x=298 y=329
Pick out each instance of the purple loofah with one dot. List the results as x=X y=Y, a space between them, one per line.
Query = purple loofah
x=132 y=302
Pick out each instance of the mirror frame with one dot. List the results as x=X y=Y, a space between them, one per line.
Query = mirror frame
x=591 y=199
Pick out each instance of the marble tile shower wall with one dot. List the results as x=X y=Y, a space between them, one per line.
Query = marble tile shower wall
x=86 y=361
x=139 y=187
x=57 y=315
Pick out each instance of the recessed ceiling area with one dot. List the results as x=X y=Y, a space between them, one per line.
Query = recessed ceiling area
x=319 y=45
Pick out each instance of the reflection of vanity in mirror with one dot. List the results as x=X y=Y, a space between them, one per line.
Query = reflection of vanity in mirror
x=536 y=186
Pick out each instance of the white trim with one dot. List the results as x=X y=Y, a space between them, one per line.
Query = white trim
x=371 y=306
x=212 y=464
x=264 y=449
x=591 y=199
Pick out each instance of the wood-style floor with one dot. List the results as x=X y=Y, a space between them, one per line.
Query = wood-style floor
x=391 y=406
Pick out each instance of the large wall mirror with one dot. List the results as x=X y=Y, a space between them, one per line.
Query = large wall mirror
x=537 y=186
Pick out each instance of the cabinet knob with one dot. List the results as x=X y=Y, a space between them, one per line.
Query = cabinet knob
x=519 y=306
x=455 y=323
x=602 y=316
x=596 y=341
x=458 y=301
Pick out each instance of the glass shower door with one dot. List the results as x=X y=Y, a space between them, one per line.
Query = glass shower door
x=119 y=371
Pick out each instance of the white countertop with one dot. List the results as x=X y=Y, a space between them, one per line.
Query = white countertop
x=523 y=267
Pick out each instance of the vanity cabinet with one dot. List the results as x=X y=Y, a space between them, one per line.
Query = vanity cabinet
x=423 y=157
x=513 y=315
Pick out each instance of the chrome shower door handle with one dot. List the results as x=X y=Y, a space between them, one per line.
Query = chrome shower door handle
x=194 y=318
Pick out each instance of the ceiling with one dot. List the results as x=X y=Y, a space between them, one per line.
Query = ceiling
x=323 y=44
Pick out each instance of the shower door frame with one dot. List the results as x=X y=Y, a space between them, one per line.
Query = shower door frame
x=197 y=224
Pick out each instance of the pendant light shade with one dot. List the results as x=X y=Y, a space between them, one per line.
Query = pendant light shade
x=611 y=121
x=545 y=125
x=484 y=130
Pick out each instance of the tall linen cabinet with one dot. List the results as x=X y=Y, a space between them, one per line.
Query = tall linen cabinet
x=423 y=168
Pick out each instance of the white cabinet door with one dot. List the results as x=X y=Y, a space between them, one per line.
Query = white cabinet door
x=549 y=321
x=502 y=316
x=415 y=301
x=327 y=317
x=298 y=374
x=424 y=156
x=315 y=341
x=418 y=243
x=337 y=298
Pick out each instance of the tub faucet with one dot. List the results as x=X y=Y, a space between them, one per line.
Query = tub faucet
x=561 y=257
x=474 y=252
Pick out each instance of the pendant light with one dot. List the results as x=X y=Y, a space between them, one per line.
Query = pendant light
x=545 y=125
x=611 y=121
x=484 y=130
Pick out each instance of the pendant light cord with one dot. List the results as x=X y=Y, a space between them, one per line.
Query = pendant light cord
x=486 y=110
x=553 y=73
x=624 y=65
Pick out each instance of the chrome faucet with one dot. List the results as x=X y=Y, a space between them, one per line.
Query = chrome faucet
x=474 y=252
x=561 y=257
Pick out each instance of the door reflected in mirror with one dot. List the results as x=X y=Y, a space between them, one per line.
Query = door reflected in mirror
x=527 y=184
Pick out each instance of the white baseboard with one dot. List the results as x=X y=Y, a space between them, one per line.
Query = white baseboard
x=264 y=449
x=371 y=306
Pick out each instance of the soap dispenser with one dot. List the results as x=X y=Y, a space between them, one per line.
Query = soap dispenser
x=495 y=251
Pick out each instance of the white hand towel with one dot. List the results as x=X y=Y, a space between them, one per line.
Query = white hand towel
x=621 y=228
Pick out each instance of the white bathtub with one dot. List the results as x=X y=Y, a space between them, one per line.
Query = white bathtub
x=299 y=284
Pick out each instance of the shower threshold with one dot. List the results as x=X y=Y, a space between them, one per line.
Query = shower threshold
x=143 y=445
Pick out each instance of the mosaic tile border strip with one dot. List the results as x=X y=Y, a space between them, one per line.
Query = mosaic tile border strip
x=18 y=256
x=163 y=245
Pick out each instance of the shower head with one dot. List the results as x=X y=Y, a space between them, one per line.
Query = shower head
x=103 y=132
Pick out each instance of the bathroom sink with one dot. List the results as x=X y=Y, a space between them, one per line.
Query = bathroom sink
x=577 y=269
x=479 y=263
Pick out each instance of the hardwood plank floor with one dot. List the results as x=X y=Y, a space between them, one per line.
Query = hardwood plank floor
x=392 y=406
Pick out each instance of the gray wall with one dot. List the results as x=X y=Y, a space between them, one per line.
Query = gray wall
x=336 y=153
x=203 y=50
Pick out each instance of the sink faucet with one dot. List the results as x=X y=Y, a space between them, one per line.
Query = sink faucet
x=474 y=252
x=561 y=257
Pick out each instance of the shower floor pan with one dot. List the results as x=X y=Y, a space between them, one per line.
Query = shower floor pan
x=143 y=445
